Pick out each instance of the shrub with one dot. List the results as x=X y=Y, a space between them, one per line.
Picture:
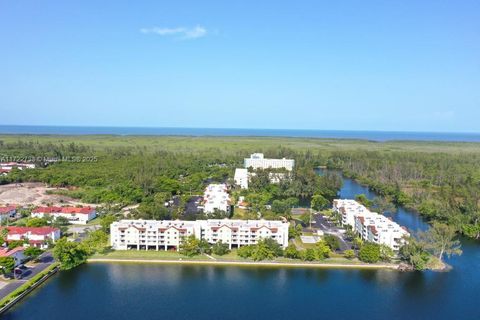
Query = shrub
x=369 y=253
x=220 y=248
x=245 y=251
x=308 y=255
x=322 y=250
x=332 y=241
x=349 y=254
x=291 y=252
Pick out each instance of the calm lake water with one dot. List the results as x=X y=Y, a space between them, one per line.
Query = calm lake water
x=336 y=134
x=129 y=291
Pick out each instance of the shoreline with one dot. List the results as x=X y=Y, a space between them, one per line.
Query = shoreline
x=249 y=263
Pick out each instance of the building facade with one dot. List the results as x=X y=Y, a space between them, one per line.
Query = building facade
x=370 y=226
x=216 y=197
x=167 y=235
x=241 y=178
x=74 y=215
x=258 y=161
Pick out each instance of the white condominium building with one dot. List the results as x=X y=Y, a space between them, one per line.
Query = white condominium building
x=164 y=235
x=257 y=161
x=241 y=178
x=371 y=226
x=244 y=232
x=151 y=234
x=348 y=209
x=216 y=197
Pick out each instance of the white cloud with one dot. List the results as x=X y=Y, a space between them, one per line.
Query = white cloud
x=179 y=33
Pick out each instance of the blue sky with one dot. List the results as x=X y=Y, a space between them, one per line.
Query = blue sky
x=359 y=65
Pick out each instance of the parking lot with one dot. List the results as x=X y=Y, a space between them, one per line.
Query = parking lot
x=327 y=227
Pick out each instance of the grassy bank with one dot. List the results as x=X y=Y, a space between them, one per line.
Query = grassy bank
x=133 y=256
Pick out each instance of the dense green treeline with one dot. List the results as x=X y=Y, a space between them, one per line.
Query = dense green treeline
x=441 y=180
x=441 y=186
x=127 y=175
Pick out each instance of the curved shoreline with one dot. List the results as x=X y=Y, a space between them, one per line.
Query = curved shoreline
x=251 y=263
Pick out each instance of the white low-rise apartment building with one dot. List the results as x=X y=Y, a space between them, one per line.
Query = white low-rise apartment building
x=151 y=234
x=371 y=226
x=348 y=209
x=74 y=215
x=216 y=197
x=239 y=233
x=35 y=236
x=241 y=177
x=166 y=234
x=258 y=161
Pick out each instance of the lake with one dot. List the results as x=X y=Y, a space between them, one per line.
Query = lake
x=129 y=291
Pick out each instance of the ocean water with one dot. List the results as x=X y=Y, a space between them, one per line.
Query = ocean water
x=335 y=134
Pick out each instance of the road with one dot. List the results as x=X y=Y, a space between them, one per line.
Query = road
x=46 y=260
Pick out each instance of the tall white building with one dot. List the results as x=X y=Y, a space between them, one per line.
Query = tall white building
x=258 y=161
x=164 y=235
x=241 y=178
x=370 y=226
x=216 y=197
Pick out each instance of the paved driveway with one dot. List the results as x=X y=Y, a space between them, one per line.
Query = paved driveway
x=46 y=260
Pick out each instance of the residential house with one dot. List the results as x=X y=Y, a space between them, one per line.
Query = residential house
x=75 y=215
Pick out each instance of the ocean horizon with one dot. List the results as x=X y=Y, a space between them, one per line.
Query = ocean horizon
x=379 y=136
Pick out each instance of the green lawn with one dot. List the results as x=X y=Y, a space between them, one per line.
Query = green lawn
x=232 y=256
x=163 y=255
x=149 y=255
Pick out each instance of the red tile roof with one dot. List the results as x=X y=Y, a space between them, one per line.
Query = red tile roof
x=33 y=230
x=224 y=225
x=7 y=209
x=373 y=229
x=271 y=229
x=71 y=210
x=47 y=209
x=5 y=252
